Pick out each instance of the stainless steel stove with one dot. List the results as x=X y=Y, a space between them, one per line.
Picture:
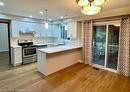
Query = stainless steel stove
x=29 y=51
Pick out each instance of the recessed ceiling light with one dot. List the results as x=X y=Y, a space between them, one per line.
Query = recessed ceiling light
x=61 y=17
x=2 y=4
x=30 y=16
x=41 y=12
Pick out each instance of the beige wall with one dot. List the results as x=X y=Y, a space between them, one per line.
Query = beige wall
x=103 y=14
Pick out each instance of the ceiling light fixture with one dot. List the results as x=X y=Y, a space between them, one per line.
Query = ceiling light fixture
x=46 y=20
x=90 y=7
x=30 y=16
x=61 y=17
x=41 y=12
x=2 y=4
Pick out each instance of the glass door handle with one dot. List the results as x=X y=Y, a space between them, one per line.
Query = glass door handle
x=94 y=45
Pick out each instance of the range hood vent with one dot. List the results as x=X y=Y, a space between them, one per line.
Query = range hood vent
x=27 y=32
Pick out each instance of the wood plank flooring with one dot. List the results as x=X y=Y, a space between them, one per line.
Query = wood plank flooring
x=4 y=58
x=4 y=61
x=76 y=78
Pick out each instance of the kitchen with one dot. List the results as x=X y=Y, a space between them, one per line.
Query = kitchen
x=28 y=37
x=64 y=46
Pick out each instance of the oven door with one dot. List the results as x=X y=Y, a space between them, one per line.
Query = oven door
x=29 y=51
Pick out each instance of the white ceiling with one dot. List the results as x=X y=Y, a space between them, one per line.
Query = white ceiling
x=56 y=8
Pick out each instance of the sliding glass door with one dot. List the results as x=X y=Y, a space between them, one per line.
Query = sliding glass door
x=105 y=45
x=99 y=43
x=112 y=46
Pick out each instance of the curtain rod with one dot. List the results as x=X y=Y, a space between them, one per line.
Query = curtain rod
x=107 y=18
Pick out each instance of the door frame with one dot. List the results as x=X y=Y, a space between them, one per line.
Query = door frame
x=106 y=48
x=8 y=22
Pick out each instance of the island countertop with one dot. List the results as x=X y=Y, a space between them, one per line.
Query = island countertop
x=54 y=59
x=59 y=48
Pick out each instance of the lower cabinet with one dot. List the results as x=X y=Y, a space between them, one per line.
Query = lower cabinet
x=16 y=56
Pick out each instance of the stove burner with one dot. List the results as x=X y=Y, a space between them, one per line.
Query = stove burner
x=25 y=43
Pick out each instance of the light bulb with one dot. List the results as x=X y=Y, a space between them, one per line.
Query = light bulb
x=46 y=25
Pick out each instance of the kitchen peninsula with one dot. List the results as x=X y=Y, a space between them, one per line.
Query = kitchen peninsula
x=53 y=59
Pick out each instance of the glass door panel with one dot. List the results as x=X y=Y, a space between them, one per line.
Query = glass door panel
x=99 y=44
x=112 y=47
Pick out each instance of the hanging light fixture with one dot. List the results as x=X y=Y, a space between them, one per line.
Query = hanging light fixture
x=86 y=2
x=46 y=20
x=82 y=2
x=98 y=2
x=90 y=7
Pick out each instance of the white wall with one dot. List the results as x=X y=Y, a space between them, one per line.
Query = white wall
x=3 y=37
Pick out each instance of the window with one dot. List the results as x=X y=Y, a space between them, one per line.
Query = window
x=63 y=32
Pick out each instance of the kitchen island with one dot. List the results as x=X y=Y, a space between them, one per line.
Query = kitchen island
x=53 y=59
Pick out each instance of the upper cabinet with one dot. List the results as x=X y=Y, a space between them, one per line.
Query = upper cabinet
x=18 y=26
x=38 y=28
x=69 y=29
x=72 y=29
x=59 y=30
x=55 y=30
x=15 y=29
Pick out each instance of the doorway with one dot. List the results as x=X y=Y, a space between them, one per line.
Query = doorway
x=105 y=45
x=5 y=55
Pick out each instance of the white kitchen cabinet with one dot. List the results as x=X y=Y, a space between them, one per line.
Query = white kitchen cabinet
x=40 y=30
x=27 y=26
x=16 y=55
x=55 y=30
x=15 y=29
x=17 y=26
x=72 y=29
x=49 y=31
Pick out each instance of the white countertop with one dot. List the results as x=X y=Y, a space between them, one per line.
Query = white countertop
x=59 y=49
x=16 y=46
x=47 y=43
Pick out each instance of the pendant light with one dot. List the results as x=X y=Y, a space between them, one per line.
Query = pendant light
x=46 y=20
x=90 y=7
x=86 y=2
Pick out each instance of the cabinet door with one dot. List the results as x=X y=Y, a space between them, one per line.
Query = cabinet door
x=27 y=26
x=55 y=30
x=72 y=30
x=15 y=29
x=43 y=31
x=69 y=33
x=16 y=56
x=31 y=26
x=47 y=32
x=38 y=30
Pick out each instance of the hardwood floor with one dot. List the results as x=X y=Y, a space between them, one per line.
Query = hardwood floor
x=4 y=60
x=77 y=78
